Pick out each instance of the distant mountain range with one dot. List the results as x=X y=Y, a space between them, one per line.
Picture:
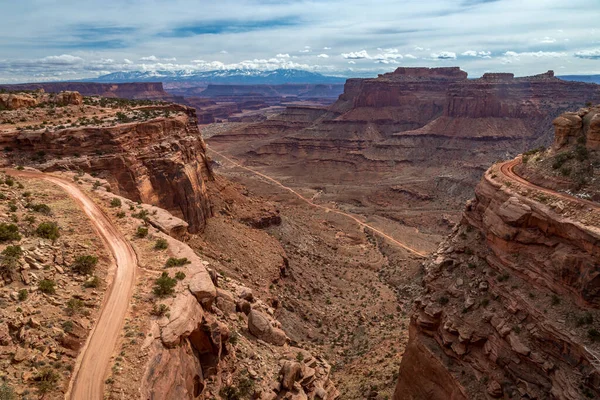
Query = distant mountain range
x=231 y=77
x=582 y=78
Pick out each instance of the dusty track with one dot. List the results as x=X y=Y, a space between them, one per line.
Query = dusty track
x=93 y=361
x=507 y=169
x=327 y=209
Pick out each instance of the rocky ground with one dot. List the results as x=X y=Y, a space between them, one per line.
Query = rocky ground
x=51 y=288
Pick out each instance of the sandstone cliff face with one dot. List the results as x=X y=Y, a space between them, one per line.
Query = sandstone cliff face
x=135 y=90
x=510 y=302
x=581 y=125
x=161 y=161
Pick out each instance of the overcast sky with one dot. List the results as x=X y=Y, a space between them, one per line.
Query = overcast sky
x=68 y=39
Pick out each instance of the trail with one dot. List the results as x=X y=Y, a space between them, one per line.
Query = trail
x=507 y=169
x=327 y=209
x=94 y=359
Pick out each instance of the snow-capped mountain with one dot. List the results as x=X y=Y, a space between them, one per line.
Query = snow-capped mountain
x=232 y=76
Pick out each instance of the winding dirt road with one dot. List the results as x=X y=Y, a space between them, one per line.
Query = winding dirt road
x=327 y=209
x=507 y=169
x=94 y=359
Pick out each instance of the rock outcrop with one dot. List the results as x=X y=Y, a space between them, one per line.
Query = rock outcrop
x=159 y=161
x=583 y=125
x=134 y=90
x=510 y=306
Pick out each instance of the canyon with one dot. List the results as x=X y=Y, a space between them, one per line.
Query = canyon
x=308 y=250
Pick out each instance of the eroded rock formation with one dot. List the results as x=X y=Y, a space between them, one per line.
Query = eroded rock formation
x=583 y=125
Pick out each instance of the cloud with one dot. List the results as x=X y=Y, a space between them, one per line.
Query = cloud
x=282 y=55
x=356 y=55
x=588 y=54
x=535 y=54
x=224 y=52
x=473 y=53
x=323 y=56
x=64 y=59
x=326 y=48
x=410 y=56
x=547 y=40
x=127 y=61
x=222 y=26
x=149 y=58
x=304 y=51
x=444 y=55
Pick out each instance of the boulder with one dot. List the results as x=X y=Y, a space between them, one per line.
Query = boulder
x=260 y=326
x=290 y=373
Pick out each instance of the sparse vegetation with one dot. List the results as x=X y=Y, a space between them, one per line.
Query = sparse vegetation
x=46 y=380
x=48 y=230
x=179 y=276
x=115 y=202
x=165 y=285
x=161 y=244
x=47 y=286
x=93 y=282
x=176 y=262
x=160 y=310
x=141 y=232
x=85 y=265
x=9 y=232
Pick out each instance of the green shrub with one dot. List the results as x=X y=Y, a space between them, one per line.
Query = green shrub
x=141 y=232
x=9 y=181
x=46 y=380
x=85 y=265
x=7 y=392
x=121 y=214
x=40 y=208
x=594 y=335
x=165 y=285
x=47 y=286
x=9 y=232
x=142 y=214
x=179 y=276
x=12 y=251
x=94 y=282
x=23 y=294
x=74 y=306
x=161 y=244
x=48 y=230
x=585 y=319
x=176 y=262
x=115 y=202
x=443 y=300
x=67 y=326
x=160 y=309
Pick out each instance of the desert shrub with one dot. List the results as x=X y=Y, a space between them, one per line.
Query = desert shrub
x=581 y=153
x=115 y=202
x=160 y=309
x=23 y=294
x=74 y=306
x=176 y=262
x=46 y=380
x=12 y=251
x=7 y=392
x=40 y=208
x=9 y=181
x=179 y=276
x=560 y=159
x=165 y=285
x=142 y=214
x=9 y=232
x=594 y=335
x=585 y=319
x=47 y=286
x=565 y=171
x=48 y=230
x=67 y=326
x=555 y=300
x=141 y=232
x=85 y=265
x=443 y=300
x=161 y=244
x=94 y=282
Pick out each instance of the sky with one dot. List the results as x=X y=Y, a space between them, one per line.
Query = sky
x=45 y=40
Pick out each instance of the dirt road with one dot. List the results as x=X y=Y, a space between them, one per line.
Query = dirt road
x=327 y=209
x=507 y=169
x=93 y=361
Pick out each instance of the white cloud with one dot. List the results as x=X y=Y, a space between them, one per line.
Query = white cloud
x=323 y=56
x=536 y=54
x=149 y=58
x=63 y=59
x=588 y=54
x=444 y=55
x=547 y=40
x=351 y=62
x=356 y=55
x=326 y=48
x=127 y=61
x=224 y=52
x=410 y=56
x=473 y=53
x=280 y=55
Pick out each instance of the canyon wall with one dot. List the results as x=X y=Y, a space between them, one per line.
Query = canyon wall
x=160 y=161
x=510 y=301
x=135 y=90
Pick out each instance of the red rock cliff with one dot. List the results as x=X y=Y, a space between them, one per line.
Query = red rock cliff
x=161 y=161
x=134 y=90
